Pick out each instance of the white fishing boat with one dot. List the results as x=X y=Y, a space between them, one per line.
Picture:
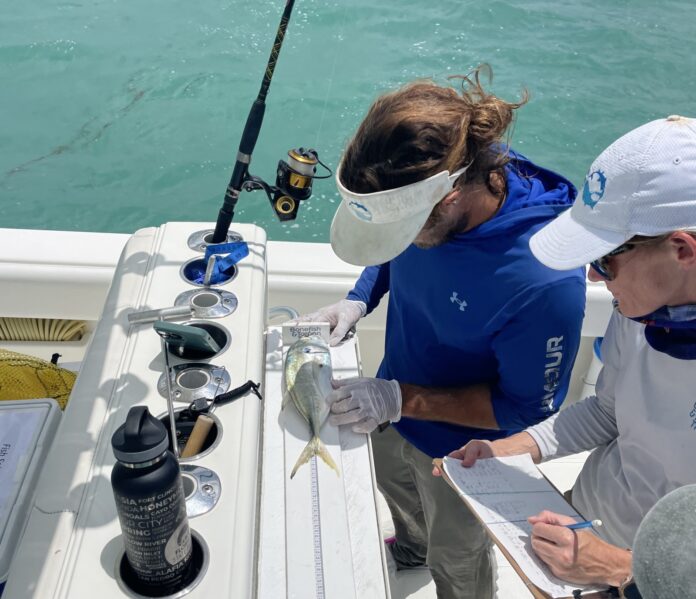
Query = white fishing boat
x=259 y=533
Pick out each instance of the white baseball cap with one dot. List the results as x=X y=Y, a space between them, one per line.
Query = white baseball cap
x=642 y=184
x=373 y=228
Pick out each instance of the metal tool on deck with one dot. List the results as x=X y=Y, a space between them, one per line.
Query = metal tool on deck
x=209 y=269
x=164 y=336
x=148 y=316
x=208 y=302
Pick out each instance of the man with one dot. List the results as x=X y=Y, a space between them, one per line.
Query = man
x=638 y=232
x=480 y=337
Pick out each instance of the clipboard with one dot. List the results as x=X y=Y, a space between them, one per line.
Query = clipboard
x=533 y=589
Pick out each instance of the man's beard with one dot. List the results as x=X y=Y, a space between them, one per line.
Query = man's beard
x=438 y=230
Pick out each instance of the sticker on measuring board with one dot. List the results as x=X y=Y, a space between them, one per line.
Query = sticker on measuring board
x=294 y=332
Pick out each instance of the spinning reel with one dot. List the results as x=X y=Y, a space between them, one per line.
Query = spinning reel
x=293 y=182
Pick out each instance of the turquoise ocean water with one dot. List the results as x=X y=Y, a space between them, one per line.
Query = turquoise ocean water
x=121 y=114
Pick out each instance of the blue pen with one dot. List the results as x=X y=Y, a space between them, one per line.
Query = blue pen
x=585 y=524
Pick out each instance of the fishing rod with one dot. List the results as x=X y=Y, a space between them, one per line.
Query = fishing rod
x=293 y=177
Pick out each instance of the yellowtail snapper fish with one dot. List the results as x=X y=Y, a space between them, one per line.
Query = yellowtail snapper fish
x=307 y=382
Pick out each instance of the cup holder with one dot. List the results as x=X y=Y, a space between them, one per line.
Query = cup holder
x=184 y=421
x=208 y=302
x=131 y=586
x=181 y=348
x=200 y=240
x=189 y=486
x=201 y=488
x=192 y=381
x=193 y=272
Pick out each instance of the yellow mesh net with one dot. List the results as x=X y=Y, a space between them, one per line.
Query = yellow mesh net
x=27 y=377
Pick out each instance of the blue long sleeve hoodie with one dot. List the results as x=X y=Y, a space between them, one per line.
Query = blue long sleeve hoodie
x=481 y=309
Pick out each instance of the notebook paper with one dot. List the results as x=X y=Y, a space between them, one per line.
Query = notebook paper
x=503 y=493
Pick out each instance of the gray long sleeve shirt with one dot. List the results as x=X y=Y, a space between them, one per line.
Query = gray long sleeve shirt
x=642 y=423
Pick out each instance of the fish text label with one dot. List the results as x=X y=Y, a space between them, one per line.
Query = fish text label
x=292 y=333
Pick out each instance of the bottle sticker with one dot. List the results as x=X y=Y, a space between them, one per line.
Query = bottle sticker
x=178 y=546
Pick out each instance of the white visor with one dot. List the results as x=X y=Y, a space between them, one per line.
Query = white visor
x=373 y=228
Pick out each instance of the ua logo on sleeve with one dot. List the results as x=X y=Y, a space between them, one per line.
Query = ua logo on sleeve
x=552 y=370
x=455 y=300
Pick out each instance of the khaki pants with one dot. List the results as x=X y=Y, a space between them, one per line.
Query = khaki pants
x=433 y=525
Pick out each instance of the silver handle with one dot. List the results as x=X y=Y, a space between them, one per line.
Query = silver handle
x=147 y=316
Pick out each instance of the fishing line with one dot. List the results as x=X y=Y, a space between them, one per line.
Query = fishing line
x=333 y=71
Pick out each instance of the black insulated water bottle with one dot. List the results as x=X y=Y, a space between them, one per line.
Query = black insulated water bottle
x=151 y=505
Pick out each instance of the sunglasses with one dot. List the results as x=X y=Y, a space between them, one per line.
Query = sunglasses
x=602 y=265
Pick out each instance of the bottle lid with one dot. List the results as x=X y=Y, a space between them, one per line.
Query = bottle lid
x=141 y=438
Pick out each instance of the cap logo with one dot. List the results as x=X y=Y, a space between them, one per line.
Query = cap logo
x=360 y=210
x=593 y=190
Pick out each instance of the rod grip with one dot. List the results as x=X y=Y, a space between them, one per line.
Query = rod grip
x=198 y=436
x=252 y=128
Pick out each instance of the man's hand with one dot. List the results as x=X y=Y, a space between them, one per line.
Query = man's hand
x=577 y=556
x=479 y=449
x=341 y=316
x=364 y=402
x=476 y=449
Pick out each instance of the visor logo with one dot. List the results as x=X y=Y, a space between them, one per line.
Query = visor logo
x=361 y=211
x=593 y=190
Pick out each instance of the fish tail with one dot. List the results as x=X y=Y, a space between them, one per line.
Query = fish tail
x=315 y=447
x=324 y=454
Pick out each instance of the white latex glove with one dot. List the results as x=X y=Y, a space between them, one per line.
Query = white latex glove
x=341 y=316
x=365 y=403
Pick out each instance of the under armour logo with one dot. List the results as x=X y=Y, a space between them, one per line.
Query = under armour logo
x=455 y=300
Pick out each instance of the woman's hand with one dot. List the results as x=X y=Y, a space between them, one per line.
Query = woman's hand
x=577 y=556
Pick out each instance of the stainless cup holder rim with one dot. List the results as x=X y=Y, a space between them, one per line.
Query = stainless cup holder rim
x=188 y=477
x=204 y=292
x=199 y=240
x=226 y=302
x=191 y=373
x=208 y=391
x=207 y=489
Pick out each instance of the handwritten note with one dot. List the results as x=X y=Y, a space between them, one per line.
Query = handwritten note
x=17 y=431
x=504 y=492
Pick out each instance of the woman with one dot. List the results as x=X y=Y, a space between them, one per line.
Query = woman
x=635 y=224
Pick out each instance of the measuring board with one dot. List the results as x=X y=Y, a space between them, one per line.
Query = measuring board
x=319 y=535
